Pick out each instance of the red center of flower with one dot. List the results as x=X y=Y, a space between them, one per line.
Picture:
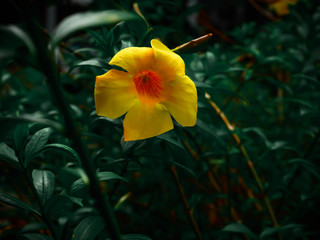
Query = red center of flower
x=148 y=84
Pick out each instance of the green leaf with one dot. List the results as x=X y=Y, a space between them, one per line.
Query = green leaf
x=64 y=148
x=104 y=176
x=203 y=85
x=20 y=135
x=239 y=228
x=207 y=129
x=73 y=199
x=37 y=141
x=129 y=147
x=7 y=199
x=7 y=154
x=13 y=45
x=57 y=204
x=184 y=168
x=170 y=138
x=91 y=63
x=260 y=133
x=16 y=32
x=88 y=228
x=44 y=182
x=82 y=21
x=9 y=123
x=311 y=167
x=301 y=102
x=271 y=231
x=103 y=42
x=35 y=236
x=79 y=184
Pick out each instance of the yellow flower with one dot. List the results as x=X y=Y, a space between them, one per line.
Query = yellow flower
x=152 y=87
x=281 y=6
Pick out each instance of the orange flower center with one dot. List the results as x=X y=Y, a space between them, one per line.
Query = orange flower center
x=148 y=84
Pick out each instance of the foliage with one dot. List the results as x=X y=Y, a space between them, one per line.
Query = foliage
x=249 y=169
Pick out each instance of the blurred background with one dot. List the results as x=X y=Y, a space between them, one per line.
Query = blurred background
x=249 y=169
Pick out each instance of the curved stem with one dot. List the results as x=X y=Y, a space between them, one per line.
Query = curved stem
x=189 y=211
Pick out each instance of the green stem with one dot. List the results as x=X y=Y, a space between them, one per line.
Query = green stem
x=117 y=184
x=49 y=68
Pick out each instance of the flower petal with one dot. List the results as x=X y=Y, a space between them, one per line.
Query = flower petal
x=145 y=121
x=134 y=59
x=167 y=63
x=114 y=94
x=181 y=100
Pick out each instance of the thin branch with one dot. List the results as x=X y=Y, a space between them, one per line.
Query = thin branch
x=249 y=162
x=264 y=12
x=188 y=210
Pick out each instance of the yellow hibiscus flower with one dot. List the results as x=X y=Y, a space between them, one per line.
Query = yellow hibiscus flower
x=152 y=87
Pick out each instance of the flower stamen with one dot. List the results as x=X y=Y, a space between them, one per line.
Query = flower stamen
x=148 y=84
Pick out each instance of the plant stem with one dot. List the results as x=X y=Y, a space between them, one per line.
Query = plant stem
x=117 y=184
x=249 y=162
x=211 y=176
x=49 y=68
x=189 y=211
x=264 y=12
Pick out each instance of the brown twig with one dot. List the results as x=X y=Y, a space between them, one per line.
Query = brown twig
x=249 y=162
x=263 y=11
x=211 y=176
x=188 y=210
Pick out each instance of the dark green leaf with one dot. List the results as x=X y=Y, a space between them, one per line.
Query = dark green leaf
x=73 y=199
x=7 y=199
x=34 y=227
x=185 y=168
x=36 y=143
x=44 y=182
x=130 y=146
x=207 y=129
x=311 y=167
x=82 y=21
x=79 y=184
x=20 y=135
x=239 y=228
x=57 y=204
x=7 y=154
x=64 y=148
x=89 y=228
x=7 y=124
x=91 y=63
x=170 y=138
x=301 y=102
x=35 y=236
x=104 y=176
x=203 y=85
x=271 y=231
x=20 y=35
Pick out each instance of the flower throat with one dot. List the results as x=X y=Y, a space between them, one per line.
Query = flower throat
x=148 y=84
